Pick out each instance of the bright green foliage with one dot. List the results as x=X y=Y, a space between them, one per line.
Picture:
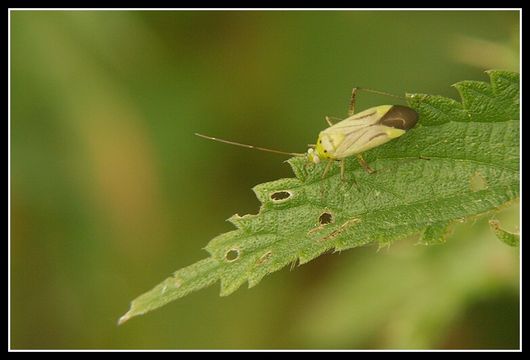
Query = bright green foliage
x=461 y=160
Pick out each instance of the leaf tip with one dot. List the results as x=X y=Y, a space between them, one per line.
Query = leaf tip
x=509 y=238
x=125 y=317
x=235 y=220
x=228 y=286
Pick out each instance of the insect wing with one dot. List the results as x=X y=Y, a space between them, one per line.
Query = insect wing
x=363 y=119
x=350 y=135
x=367 y=139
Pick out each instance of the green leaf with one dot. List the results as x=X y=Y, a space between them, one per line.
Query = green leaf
x=506 y=237
x=435 y=234
x=472 y=149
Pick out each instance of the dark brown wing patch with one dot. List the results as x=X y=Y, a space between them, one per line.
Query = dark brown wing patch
x=400 y=117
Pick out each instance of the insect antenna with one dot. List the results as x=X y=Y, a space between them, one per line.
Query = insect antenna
x=250 y=146
x=380 y=93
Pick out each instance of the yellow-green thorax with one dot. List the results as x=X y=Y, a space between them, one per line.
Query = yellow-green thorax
x=327 y=143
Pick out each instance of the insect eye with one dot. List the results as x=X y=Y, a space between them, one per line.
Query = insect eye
x=320 y=141
x=325 y=151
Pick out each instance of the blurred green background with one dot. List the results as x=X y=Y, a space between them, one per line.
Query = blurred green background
x=111 y=191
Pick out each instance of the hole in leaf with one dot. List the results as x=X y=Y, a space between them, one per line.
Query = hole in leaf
x=280 y=195
x=325 y=218
x=232 y=255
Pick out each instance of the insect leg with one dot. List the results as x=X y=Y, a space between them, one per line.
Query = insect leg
x=364 y=164
x=328 y=166
x=351 y=109
x=342 y=169
x=328 y=120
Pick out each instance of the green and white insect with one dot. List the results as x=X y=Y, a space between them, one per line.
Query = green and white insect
x=353 y=135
